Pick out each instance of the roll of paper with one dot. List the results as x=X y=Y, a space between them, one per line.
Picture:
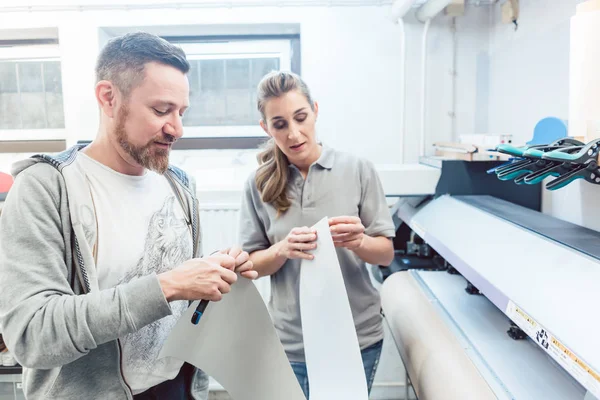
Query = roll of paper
x=333 y=360
x=438 y=366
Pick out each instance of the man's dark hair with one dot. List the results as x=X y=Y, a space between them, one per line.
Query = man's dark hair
x=123 y=58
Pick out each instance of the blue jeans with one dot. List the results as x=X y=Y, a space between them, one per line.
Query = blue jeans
x=370 y=357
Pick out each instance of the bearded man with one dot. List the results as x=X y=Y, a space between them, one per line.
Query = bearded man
x=100 y=245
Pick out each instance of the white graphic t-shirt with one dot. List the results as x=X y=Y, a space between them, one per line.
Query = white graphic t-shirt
x=141 y=230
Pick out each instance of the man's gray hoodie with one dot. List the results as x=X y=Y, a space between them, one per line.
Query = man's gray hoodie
x=60 y=327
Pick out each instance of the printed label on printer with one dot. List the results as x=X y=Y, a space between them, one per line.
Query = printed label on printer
x=581 y=371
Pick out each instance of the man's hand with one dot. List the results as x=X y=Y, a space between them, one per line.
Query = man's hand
x=200 y=279
x=347 y=232
x=243 y=265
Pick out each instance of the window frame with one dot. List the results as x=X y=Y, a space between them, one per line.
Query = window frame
x=280 y=48
x=33 y=53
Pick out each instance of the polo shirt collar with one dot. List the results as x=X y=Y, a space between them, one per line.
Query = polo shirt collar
x=327 y=157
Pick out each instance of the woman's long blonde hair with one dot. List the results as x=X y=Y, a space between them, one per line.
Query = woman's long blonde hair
x=273 y=172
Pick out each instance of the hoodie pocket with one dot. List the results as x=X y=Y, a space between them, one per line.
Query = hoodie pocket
x=93 y=376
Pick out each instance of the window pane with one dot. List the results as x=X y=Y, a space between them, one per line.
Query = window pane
x=212 y=96
x=238 y=92
x=192 y=116
x=8 y=77
x=238 y=72
x=54 y=101
x=207 y=97
x=30 y=77
x=194 y=77
x=55 y=111
x=223 y=92
x=9 y=97
x=212 y=74
x=33 y=102
x=260 y=67
x=31 y=95
x=52 y=77
x=33 y=110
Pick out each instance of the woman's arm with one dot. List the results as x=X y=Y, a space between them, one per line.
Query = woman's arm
x=349 y=232
x=377 y=250
x=267 y=262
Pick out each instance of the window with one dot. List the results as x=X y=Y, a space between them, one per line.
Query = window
x=223 y=79
x=30 y=90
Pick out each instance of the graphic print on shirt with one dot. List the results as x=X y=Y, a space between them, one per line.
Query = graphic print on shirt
x=88 y=223
x=167 y=245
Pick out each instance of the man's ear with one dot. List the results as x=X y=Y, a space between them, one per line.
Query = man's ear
x=106 y=95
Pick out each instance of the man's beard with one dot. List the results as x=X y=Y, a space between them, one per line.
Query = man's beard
x=148 y=155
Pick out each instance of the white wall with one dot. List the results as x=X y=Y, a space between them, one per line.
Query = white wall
x=472 y=71
x=457 y=78
x=529 y=69
x=438 y=93
x=508 y=80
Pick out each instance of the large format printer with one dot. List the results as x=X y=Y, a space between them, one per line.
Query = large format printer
x=506 y=308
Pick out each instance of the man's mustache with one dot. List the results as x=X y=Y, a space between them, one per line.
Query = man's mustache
x=166 y=138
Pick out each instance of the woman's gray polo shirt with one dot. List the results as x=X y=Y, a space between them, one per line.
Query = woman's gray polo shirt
x=337 y=184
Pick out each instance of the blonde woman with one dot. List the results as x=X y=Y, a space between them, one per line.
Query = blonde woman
x=298 y=182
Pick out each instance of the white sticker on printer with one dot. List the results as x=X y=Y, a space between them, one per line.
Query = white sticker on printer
x=573 y=364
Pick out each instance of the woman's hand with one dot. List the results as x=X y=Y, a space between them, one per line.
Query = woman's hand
x=347 y=232
x=297 y=243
